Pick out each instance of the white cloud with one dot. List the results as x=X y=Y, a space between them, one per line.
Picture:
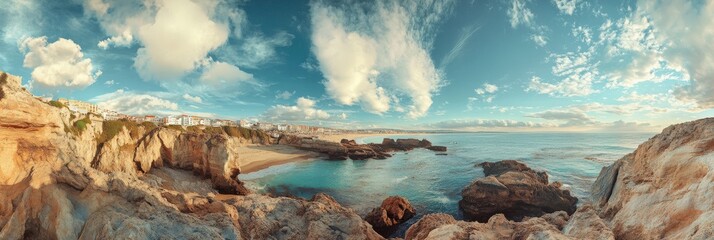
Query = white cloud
x=125 y=40
x=110 y=82
x=585 y=34
x=304 y=110
x=60 y=64
x=486 y=93
x=539 y=39
x=188 y=44
x=578 y=75
x=258 y=49
x=566 y=6
x=484 y=123
x=128 y=102
x=367 y=58
x=285 y=95
x=224 y=74
x=519 y=14
x=687 y=30
x=195 y=99
x=565 y=115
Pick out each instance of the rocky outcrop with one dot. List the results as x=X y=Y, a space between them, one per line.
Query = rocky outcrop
x=58 y=183
x=349 y=149
x=663 y=189
x=549 y=226
x=513 y=189
x=394 y=210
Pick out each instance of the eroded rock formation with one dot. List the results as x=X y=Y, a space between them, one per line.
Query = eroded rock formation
x=513 y=189
x=58 y=182
x=394 y=210
x=664 y=189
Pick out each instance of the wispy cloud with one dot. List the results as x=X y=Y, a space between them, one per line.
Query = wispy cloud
x=466 y=33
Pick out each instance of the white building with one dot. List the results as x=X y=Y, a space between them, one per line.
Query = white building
x=282 y=127
x=187 y=120
x=171 y=120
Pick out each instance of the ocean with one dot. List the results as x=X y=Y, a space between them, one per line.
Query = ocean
x=433 y=183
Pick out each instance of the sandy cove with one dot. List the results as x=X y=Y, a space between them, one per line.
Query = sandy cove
x=259 y=157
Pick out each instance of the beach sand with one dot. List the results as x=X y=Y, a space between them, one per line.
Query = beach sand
x=258 y=157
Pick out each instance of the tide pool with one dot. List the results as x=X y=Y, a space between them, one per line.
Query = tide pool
x=433 y=183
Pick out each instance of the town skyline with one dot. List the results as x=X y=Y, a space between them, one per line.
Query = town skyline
x=561 y=65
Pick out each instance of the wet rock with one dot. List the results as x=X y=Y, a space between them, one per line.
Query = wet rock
x=393 y=211
x=513 y=189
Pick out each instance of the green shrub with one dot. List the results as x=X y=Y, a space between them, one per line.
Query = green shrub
x=81 y=125
x=109 y=130
x=56 y=104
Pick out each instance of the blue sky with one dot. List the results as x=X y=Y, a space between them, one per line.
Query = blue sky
x=561 y=65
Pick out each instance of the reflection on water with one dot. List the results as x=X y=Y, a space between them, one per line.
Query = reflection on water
x=434 y=183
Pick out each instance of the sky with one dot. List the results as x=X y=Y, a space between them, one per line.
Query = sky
x=518 y=65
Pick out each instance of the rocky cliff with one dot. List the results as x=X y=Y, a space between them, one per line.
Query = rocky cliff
x=664 y=189
x=75 y=177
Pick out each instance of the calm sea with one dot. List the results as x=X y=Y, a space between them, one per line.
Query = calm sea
x=433 y=183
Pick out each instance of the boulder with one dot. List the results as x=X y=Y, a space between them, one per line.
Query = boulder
x=552 y=226
x=393 y=211
x=513 y=189
x=437 y=148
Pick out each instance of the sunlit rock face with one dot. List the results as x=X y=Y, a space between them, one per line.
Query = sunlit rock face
x=664 y=188
x=513 y=189
x=58 y=182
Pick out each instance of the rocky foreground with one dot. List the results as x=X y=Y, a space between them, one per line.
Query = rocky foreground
x=76 y=177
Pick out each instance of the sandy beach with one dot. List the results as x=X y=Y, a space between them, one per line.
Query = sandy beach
x=258 y=157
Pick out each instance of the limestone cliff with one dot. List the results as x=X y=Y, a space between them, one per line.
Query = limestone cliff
x=664 y=189
x=64 y=176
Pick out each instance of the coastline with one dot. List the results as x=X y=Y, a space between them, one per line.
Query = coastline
x=258 y=157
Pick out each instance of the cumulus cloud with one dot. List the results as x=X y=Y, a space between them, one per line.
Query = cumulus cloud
x=187 y=45
x=368 y=58
x=195 y=99
x=566 y=6
x=133 y=103
x=60 y=64
x=304 y=110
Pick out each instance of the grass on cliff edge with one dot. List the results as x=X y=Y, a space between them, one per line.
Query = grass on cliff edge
x=78 y=126
x=112 y=127
x=232 y=131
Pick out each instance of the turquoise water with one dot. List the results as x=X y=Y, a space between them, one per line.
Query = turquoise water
x=434 y=183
